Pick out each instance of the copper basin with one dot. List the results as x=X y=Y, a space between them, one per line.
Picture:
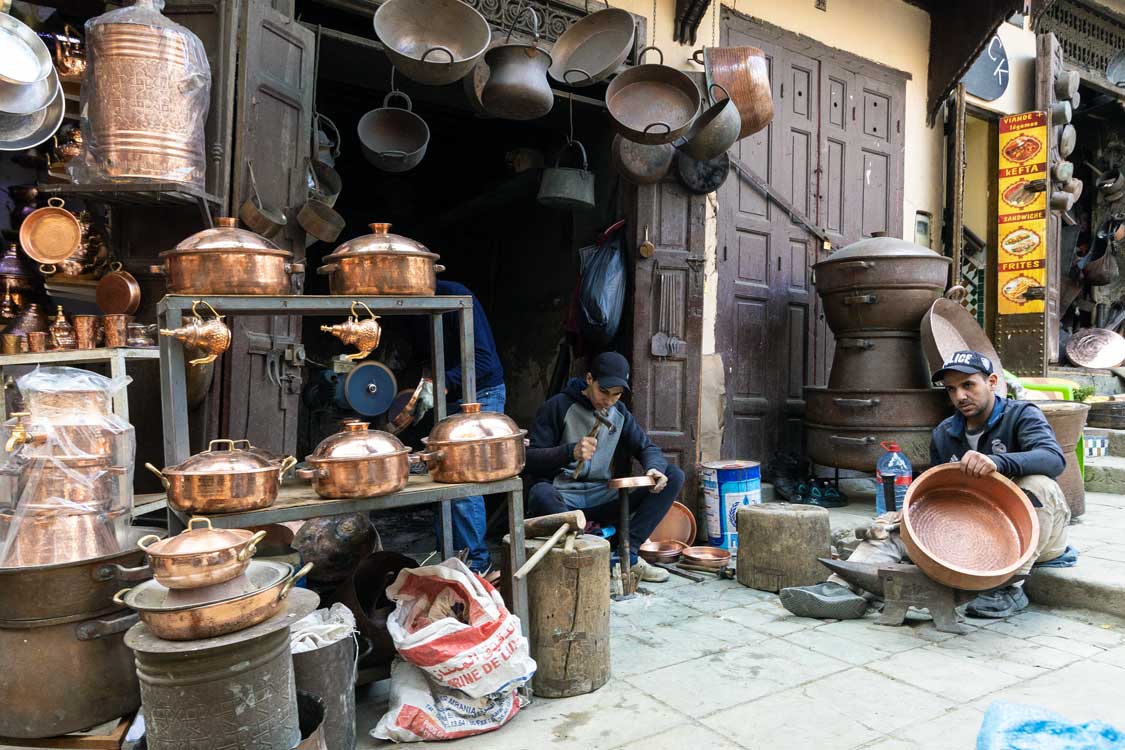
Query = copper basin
x=661 y=552
x=967 y=532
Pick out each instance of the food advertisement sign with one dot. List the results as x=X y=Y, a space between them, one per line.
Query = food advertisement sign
x=1022 y=214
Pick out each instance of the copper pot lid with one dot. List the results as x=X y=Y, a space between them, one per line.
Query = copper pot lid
x=199 y=537
x=474 y=425
x=357 y=441
x=231 y=460
x=226 y=237
x=947 y=328
x=380 y=242
x=881 y=248
x=1096 y=348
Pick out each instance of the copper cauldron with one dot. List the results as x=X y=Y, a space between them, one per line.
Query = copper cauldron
x=966 y=532
x=224 y=481
x=52 y=538
x=475 y=446
x=358 y=463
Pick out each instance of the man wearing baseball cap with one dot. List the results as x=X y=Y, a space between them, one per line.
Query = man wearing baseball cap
x=572 y=455
x=986 y=434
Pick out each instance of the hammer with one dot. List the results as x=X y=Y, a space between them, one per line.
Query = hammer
x=600 y=418
x=556 y=526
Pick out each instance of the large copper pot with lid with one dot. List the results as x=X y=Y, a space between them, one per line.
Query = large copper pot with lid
x=358 y=462
x=475 y=446
x=224 y=481
x=382 y=263
x=76 y=433
x=228 y=260
x=879 y=283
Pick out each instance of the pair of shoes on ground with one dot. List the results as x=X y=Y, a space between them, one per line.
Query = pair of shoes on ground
x=833 y=601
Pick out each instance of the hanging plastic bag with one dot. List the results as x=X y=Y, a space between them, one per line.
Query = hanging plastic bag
x=453 y=625
x=602 y=293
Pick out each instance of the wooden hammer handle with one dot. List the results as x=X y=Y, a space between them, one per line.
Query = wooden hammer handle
x=542 y=551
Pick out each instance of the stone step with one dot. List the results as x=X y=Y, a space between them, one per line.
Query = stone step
x=1105 y=474
x=1116 y=439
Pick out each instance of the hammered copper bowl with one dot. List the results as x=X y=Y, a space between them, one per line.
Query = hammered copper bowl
x=706 y=557
x=661 y=552
x=970 y=533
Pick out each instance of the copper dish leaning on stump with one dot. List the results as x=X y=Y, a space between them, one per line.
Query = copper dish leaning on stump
x=224 y=481
x=970 y=533
x=200 y=555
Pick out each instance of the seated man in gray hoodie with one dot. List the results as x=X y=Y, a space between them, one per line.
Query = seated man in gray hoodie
x=559 y=441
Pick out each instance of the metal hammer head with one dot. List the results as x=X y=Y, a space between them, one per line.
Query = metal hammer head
x=603 y=417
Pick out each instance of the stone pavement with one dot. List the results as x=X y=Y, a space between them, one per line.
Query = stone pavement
x=718 y=666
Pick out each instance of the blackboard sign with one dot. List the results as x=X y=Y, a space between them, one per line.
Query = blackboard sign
x=988 y=78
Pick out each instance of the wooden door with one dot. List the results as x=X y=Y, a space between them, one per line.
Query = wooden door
x=273 y=121
x=668 y=322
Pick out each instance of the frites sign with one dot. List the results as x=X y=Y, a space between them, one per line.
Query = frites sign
x=1022 y=214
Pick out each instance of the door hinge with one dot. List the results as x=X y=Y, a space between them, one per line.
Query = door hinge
x=695 y=262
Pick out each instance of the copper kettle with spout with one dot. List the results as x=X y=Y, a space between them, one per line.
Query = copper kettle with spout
x=363 y=334
x=211 y=336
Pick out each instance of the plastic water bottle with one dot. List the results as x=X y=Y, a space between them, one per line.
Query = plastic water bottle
x=893 y=474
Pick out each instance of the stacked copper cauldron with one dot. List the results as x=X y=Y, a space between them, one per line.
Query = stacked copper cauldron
x=874 y=294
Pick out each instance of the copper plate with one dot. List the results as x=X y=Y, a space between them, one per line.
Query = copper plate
x=1096 y=347
x=50 y=234
x=969 y=533
x=663 y=552
x=708 y=557
x=677 y=525
x=947 y=328
x=625 y=483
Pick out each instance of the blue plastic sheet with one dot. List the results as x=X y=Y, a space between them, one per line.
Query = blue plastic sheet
x=1014 y=726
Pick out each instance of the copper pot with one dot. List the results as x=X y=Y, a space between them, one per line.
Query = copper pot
x=199 y=557
x=270 y=582
x=52 y=538
x=859 y=447
x=877 y=360
x=223 y=481
x=475 y=446
x=228 y=260
x=52 y=393
x=64 y=485
x=210 y=336
x=358 y=462
x=970 y=533
x=74 y=434
x=382 y=263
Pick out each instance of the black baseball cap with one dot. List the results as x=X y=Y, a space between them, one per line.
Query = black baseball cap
x=611 y=370
x=967 y=362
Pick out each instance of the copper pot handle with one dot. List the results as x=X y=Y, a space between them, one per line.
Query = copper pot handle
x=863 y=403
x=157 y=269
x=114 y=572
x=287 y=463
x=159 y=474
x=119 y=597
x=839 y=440
x=864 y=344
x=203 y=519
x=251 y=546
x=91 y=630
x=861 y=299
x=439 y=268
x=293 y=581
x=859 y=265
x=294 y=267
x=319 y=473
x=147 y=540
x=225 y=441
x=327 y=268
x=428 y=456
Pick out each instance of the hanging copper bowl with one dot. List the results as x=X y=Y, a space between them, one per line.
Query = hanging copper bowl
x=51 y=234
x=970 y=533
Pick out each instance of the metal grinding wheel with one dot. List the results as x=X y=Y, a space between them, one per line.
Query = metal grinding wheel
x=369 y=388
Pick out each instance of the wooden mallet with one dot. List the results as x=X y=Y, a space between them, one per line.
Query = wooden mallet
x=557 y=526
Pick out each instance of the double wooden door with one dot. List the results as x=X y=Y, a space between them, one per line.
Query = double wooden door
x=834 y=150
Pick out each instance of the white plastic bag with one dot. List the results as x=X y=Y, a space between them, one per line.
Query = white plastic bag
x=321 y=628
x=421 y=711
x=454 y=625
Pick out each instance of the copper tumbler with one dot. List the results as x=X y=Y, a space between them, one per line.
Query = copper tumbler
x=87 y=331
x=37 y=341
x=116 y=329
x=13 y=343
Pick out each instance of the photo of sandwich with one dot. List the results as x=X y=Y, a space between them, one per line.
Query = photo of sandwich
x=1020 y=194
x=1020 y=242
x=1022 y=147
x=1017 y=289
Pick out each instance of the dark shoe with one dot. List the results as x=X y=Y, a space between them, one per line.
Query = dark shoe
x=825 y=494
x=824 y=601
x=998 y=603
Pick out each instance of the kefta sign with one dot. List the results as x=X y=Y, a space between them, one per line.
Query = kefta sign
x=1022 y=214
x=987 y=79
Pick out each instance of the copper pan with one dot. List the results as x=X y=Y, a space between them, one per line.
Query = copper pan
x=744 y=72
x=947 y=328
x=272 y=582
x=970 y=533
x=200 y=557
x=661 y=552
x=652 y=103
x=706 y=557
x=51 y=234
x=118 y=292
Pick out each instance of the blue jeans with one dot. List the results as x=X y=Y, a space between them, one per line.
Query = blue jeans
x=469 y=515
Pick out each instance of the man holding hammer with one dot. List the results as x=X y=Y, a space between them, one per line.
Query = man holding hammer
x=576 y=437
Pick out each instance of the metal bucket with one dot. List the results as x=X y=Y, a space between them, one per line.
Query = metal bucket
x=142 y=123
x=727 y=486
x=568 y=187
x=393 y=139
x=329 y=673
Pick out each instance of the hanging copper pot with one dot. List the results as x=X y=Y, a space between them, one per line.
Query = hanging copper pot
x=363 y=334
x=212 y=336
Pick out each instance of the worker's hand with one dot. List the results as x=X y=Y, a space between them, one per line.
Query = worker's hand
x=584 y=450
x=977 y=464
x=661 y=480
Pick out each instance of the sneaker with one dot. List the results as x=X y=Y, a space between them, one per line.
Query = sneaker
x=824 y=601
x=998 y=603
x=649 y=573
x=825 y=494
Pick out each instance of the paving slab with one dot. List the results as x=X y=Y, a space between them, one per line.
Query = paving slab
x=1105 y=474
x=1114 y=656
x=681 y=738
x=956 y=675
x=636 y=651
x=956 y=728
x=828 y=643
x=890 y=638
x=1083 y=691
x=878 y=702
x=768 y=617
x=1106 y=634
x=990 y=643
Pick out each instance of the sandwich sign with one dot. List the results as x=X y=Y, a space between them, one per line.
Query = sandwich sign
x=1022 y=214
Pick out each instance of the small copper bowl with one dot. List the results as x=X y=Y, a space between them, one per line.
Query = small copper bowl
x=706 y=557
x=661 y=552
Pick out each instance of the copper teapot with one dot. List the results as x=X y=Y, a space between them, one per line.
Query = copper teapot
x=363 y=334
x=70 y=59
x=69 y=145
x=211 y=336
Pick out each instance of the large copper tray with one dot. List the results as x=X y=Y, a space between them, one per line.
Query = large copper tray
x=947 y=328
x=965 y=532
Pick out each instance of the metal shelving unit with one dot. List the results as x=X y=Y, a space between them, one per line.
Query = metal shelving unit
x=299 y=501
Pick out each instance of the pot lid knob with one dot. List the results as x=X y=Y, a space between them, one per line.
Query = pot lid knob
x=380 y=228
x=356 y=426
x=470 y=408
x=226 y=221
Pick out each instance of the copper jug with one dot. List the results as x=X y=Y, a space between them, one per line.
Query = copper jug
x=363 y=334
x=211 y=336
x=62 y=332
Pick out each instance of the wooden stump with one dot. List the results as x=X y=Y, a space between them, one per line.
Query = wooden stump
x=778 y=544
x=568 y=605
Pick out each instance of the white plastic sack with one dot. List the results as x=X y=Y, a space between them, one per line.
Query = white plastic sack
x=422 y=711
x=321 y=628
x=454 y=625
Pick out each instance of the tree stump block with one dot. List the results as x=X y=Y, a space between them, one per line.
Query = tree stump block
x=778 y=544
x=568 y=605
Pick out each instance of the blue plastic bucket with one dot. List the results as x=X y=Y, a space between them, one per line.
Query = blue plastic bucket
x=727 y=486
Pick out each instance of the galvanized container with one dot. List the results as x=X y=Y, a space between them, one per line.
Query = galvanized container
x=235 y=691
x=329 y=673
